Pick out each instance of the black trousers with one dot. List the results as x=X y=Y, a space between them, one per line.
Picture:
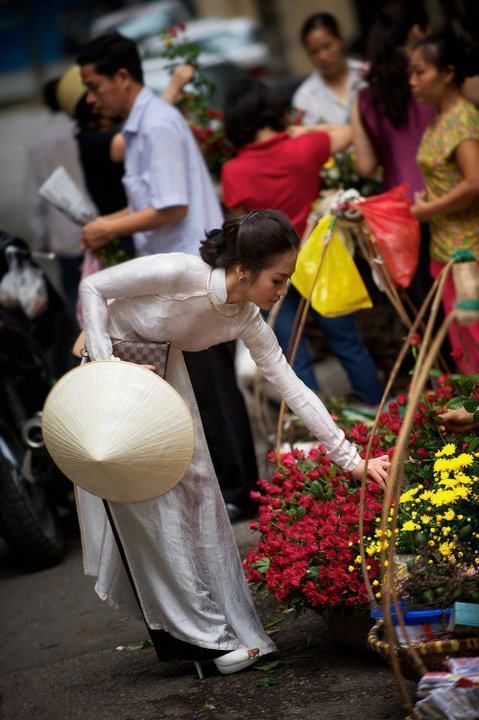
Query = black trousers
x=225 y=421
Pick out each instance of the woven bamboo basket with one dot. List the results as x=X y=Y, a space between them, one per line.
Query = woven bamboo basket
x=466 y=284
x=433 y=653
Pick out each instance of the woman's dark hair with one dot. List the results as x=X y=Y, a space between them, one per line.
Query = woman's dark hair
x=86 y=118
x=49 y=94
x=388 y=76
x=251 y=106
x=321 y=21
x=110 y=53
x=446 y=51
x=252 y=241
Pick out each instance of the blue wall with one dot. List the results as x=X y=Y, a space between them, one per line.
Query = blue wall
x=40 y=31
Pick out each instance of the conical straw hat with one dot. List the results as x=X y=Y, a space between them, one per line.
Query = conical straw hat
x=119 y=431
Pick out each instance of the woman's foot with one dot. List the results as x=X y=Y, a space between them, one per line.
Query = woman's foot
x=237 y=660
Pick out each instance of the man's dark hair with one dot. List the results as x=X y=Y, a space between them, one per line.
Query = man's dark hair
x=110 y=53
x=251 y=106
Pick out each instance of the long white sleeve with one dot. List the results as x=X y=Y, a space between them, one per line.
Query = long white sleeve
x=268 y=356
x=152 y=275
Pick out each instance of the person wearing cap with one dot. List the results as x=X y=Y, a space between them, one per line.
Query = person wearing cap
x=171 y=201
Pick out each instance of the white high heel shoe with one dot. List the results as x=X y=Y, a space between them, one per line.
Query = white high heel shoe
x=232 y=662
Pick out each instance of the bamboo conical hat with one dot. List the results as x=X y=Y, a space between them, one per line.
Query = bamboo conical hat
x=119 y=431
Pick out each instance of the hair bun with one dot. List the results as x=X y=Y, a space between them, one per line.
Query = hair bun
x=213 y=247
x=217 y=235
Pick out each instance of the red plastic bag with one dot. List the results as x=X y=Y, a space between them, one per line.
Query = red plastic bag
x=396 y=230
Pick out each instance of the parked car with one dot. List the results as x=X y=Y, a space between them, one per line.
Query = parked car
x=237 y=40
x=143 y=20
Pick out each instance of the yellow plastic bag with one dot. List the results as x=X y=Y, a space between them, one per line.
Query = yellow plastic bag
x=339 y=288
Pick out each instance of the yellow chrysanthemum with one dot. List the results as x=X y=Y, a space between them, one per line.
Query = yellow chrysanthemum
x=448 y=449
x=453 y=463
x=408 y=495
x=410 y=525
x=446 y=548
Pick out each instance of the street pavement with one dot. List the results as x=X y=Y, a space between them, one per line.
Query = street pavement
x=59 y=660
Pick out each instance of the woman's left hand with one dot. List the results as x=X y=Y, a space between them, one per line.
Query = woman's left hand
x=421 y=208
x=378 y=470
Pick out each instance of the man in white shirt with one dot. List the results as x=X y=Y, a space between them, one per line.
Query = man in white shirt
x=171 y=199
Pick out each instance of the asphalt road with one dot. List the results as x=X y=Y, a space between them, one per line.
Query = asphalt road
x=59 y=660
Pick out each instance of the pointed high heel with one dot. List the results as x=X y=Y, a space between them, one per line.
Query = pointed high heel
x=199 y=670
x=235 y=661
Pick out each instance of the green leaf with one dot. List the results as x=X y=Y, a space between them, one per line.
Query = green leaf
x=474 y=443
x=270 y=681
x=471 y=405
x=262 y=565
x=476 y=416
x=272 y=623
x=268 y=666
x=455 y=403
x=433 y=372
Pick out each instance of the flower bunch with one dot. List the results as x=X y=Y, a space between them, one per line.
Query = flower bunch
x=308 y=553
x=207 y=126
x=340 y=173
x=309 y=514
x=442 y=514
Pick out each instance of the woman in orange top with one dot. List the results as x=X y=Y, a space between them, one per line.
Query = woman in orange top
x=449 y=160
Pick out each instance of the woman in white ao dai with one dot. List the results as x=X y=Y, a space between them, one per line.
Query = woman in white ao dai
x=180 y=547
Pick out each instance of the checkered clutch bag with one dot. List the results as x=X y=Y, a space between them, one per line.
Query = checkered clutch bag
x=143 y=353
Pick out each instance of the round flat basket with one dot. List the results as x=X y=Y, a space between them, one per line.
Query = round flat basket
x=118 y=431
x=433 y=653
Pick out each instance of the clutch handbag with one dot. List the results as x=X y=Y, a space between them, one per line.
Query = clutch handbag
x=141 y=353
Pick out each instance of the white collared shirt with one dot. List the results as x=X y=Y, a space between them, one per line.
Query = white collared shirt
x=164 y=168
x=320 y=104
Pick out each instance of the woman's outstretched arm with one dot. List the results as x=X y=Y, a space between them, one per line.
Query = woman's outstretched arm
x=261 y=341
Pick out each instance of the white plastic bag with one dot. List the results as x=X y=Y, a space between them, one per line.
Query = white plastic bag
x=23 y=285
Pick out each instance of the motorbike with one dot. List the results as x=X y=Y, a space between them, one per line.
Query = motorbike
x=33 y=352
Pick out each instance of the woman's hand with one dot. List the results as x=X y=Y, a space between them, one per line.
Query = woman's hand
x=378 y=470
x=181 y=76
x=421 y=208
x=455 y=421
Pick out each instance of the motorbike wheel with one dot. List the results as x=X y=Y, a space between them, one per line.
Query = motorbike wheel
x=27 y=521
